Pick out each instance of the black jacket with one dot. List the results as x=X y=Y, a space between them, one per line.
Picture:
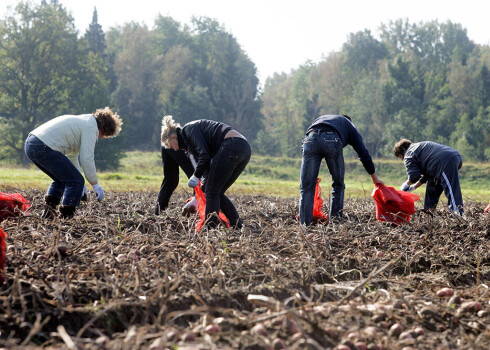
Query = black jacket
x=427 y=159
x=348 y=135
x=203 y=139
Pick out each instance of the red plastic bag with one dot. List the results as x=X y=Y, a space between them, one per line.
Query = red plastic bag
x=3 y=247
x=393 y=205
x=12 y=204
x=201 y=209
x=318 y=214
x=487 y=210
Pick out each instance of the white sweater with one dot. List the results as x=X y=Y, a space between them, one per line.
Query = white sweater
x=74 y=136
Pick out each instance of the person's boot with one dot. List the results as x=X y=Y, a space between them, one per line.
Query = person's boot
x=67 y=211
x=51 y=203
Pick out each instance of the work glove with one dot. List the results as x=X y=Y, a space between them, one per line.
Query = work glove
x=99 y=193
x=405 y=186
x=190 y=207
x=193 y=181
x=411 y=188
x=84 y=194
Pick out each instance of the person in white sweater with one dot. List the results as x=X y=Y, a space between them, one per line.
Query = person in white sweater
x=56 y=146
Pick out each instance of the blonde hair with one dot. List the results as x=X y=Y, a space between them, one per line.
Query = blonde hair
x=108 y=122
x=169 y=128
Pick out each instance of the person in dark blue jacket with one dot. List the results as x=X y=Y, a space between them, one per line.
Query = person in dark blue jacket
x=325 y=139
x=435 y=164
x=221 y=154
x=172 y=161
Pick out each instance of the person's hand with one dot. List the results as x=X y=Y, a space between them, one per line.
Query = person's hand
x=99 y=193
x=193 y=181
x=84 y=194
x=405 y=186
x=376 y=180
x=411 y=188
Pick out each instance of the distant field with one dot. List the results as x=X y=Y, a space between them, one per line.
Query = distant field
x=142 y=171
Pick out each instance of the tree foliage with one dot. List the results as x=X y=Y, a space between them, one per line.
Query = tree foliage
x=425 y=81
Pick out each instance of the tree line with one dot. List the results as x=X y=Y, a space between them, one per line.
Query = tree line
x=420 y=81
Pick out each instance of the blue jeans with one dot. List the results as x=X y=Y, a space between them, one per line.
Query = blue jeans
x=67 y=182
x=317 y=146
x=226 y=165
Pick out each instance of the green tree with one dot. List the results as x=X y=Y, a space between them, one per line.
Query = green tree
x=136 y=95
x=38 y=67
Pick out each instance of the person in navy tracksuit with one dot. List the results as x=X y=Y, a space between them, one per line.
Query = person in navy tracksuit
x=325 y=139
x=435 y=164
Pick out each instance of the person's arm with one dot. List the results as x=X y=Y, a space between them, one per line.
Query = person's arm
x=170 y=180
x=87 y=158
x=356 y=142
x=375 y=179
x=195 y=139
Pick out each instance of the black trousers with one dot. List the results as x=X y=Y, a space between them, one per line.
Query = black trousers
x=171 y=161
x=225 y=167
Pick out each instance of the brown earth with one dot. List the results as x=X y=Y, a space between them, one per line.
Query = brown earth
x=118 y=277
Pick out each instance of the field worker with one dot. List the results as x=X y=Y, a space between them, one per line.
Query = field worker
x=56 y=146
x=171 y=161
x=325 y=139
x=221 y=154
x=436 y=164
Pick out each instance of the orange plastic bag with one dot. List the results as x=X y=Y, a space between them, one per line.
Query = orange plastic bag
x=201 y=209
x=3 y=247
x=393 y=205
x=12 y=204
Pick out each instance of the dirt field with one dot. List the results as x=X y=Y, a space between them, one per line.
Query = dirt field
x=118 y=277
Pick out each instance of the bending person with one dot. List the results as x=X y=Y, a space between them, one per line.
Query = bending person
x=325 y=139
x=435 y=164
x=56 y=146
x=222 y=154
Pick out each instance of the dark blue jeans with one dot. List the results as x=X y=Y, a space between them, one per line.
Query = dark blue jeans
x=226 y=165
x=67 y=182
x=318 y=146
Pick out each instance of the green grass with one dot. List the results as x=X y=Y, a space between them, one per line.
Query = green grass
x=142 y=171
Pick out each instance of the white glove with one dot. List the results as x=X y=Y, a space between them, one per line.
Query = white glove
x=84 y=193
x=411 y=188
x=193 y=181
x=98 y=191
x=405 y=186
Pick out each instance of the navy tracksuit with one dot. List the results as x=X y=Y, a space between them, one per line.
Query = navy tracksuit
x=438 y=165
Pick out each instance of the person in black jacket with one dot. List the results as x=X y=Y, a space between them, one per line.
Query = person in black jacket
x=171 y=161
x=435 y=164
x=221 y=153
x=326 y=138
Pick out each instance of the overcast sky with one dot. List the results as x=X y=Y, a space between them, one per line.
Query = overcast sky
x=280 y=35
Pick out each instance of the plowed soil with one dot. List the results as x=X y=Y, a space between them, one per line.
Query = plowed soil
x=118 y=277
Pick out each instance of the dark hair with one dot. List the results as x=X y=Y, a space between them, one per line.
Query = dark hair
x=108 y=122
x=401 y=147
x=345 y=115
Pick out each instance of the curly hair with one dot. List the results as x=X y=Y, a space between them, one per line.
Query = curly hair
x=401 y=147
x=108 y=122
x=169 y=128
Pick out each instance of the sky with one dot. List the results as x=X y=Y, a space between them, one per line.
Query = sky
x=281 y=35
